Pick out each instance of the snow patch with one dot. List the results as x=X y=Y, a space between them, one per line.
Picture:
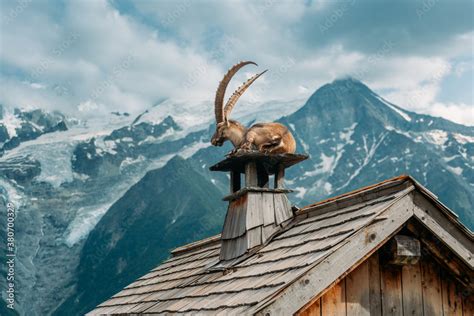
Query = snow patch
x=80 y=176
x=305 y=146
x=328 y=188
x=130 y=161
x=188 y=151
x=456 y=170
x=394 y=108
x=416 y=139
x=347 y=134
x=370 y=152
x=107 y=146
x=327 y=162
x=326 y=165
x=11 y=194
x=463 y=139
x=168 y=134
x=85 y=220
x=436 y=136
x=448 y=159
x=11 y=123
x=55 y=161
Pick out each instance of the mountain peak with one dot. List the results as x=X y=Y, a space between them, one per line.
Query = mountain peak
x=346 y=80
x=349 y=84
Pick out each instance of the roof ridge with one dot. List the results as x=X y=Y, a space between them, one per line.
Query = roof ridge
x=394 y=181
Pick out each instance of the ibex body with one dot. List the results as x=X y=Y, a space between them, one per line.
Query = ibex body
x=265 y=137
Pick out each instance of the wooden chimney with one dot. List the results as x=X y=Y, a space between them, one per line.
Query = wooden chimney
x=257 y=208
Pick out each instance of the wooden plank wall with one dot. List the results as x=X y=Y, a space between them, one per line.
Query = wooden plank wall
x=375 y=288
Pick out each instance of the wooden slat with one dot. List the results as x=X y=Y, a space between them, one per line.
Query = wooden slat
x=357 y=291
x=185 y=259
x=254 y=237
x=452 y=297
x=468 y=304
x=282 y=208
x=268 y=208
x=412 y=293
x=391 y=277
x=297 y=240
x=432 y=299
x=253 y=208
x=267 y=231
x=278 y=265
x=331 y=221
x=333 y=302
x=280 y=177
x=339 y=210
x=313 y=310
x=282 y=253
x=394 y=189
x=194 y=305
x=251 y=174
x=234 y=225
x=375 y=298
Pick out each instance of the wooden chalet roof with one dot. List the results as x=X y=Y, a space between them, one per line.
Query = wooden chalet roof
x=324 y=243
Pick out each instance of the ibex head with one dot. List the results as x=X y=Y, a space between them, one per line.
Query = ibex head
x=227 y=129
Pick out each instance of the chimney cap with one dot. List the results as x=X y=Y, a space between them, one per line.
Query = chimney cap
x=237 y=161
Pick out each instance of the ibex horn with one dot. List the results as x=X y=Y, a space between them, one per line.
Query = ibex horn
x=219 y=101
x=236 y=95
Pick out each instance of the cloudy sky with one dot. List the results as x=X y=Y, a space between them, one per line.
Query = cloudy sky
x=91 y=56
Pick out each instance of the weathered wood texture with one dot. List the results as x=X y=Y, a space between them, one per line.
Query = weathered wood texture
x=270 y=161
x=251 y=175
x=432 y=299
x=358 y=291
x=251 y=220
x=404 y=250
x=324 y=245
x=280 y=177
x=391 y=278
x=375 y=298
x=376 y=288
x=334 y=302
x=313 y=310
x=452 y=297
x=412 y=293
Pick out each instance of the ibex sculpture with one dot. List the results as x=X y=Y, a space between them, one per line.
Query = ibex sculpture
x=271 y=138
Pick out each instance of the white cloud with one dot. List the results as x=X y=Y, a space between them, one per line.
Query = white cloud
x=95 y=54
x=459 y=113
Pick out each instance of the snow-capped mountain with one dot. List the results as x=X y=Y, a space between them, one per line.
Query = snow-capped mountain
x=17 y=126
x=355 y=138
x=64 y=181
